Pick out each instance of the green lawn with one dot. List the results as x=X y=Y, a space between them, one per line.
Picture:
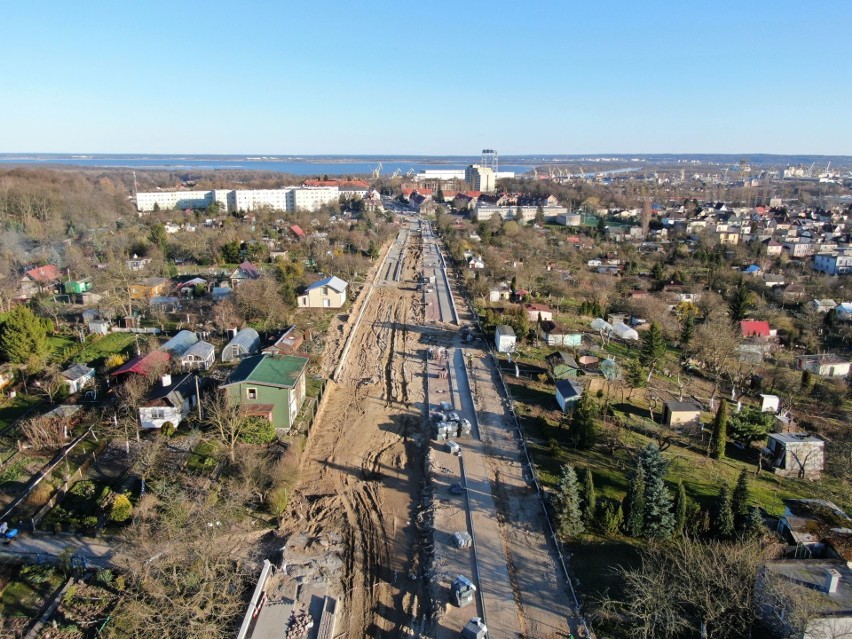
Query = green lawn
x=702 y=477
x=102 y=347
x=58 y=343
x=16 y=408
x=24 y=595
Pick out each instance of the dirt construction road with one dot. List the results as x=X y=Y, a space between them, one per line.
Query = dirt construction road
x=363 y=516
x=362 y=467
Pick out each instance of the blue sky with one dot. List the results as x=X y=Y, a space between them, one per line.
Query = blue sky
x=436 y=77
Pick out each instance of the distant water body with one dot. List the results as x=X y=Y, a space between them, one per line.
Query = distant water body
x=303 y=165
x=310 y=165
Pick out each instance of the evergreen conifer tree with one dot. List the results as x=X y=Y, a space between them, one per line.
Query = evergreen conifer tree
x=23 y=336
x=754 y=525
x=582 y=428
x=653 y=347
x=739 y=501
x=740 y=302
x=680 y=508
x=659 y=518
x=687 y=332
x=634 y=504
x=590 y=502
x=722 y=525
x=569 y=517
x=720 y=431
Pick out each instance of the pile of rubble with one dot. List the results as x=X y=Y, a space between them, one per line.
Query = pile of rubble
x=298 y=625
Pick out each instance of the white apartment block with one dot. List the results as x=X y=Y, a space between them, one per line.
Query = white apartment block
x=310 y=199
x=287 y=199
x=480 y=178
x=519 y=213
x=455 y=174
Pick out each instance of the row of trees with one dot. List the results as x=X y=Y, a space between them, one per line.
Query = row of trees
x=649 y=509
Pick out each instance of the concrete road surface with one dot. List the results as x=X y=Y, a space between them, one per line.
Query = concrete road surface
x=38 y=547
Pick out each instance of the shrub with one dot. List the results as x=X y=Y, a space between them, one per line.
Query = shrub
x=258 y=431
x=104 y=577
x=609 y=516
x=36 y=574
x=114 y=361
x=277 y=500
x=40 y=495
x=121 y=509
x=167 y=429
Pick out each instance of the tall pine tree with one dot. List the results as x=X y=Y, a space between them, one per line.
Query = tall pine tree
x=590 y=501
x=722 y=524
x=634 y=504
x=720 y=431
x=582 y=429
x=569 y=516
x=653 y=348
x=687 y=331
x=739 y=501
x=659 y=518
x=740 y=303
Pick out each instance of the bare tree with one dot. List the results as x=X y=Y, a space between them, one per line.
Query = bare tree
x=50 y=383
x=686 y=585
x=715 y=346
x=45 y=433
x=184 y=577
x=226 y=420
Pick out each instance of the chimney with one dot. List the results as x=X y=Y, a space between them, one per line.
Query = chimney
x=167 y=380
x=832 y=581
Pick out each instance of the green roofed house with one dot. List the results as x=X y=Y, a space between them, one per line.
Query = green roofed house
x=270 y=387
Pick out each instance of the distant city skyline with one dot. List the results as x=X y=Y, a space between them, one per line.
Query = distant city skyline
x=435 y=79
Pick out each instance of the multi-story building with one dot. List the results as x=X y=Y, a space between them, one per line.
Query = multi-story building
x=835 y=263
x=285 y=199
x=307 y=199
x=480 y=178
x=519 y=213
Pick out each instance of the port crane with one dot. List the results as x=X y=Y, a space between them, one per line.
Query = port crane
x=377 y=171
x=396 y=174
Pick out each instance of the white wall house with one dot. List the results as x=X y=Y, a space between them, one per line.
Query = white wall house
x=78 y=376
x=170 y=401
x=504 y=339
x=326 y=293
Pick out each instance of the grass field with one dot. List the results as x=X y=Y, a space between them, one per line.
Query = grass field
x=24 y=595
x=702 y=477
x=16 y=408
x=99 y=349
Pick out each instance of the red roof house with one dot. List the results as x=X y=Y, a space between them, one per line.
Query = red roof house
x=755 y=328
x=44 y=274
x=143 y=364
x=296 y=230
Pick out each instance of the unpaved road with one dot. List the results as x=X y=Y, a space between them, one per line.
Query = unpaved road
x=363 y=464
x=364 y=480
